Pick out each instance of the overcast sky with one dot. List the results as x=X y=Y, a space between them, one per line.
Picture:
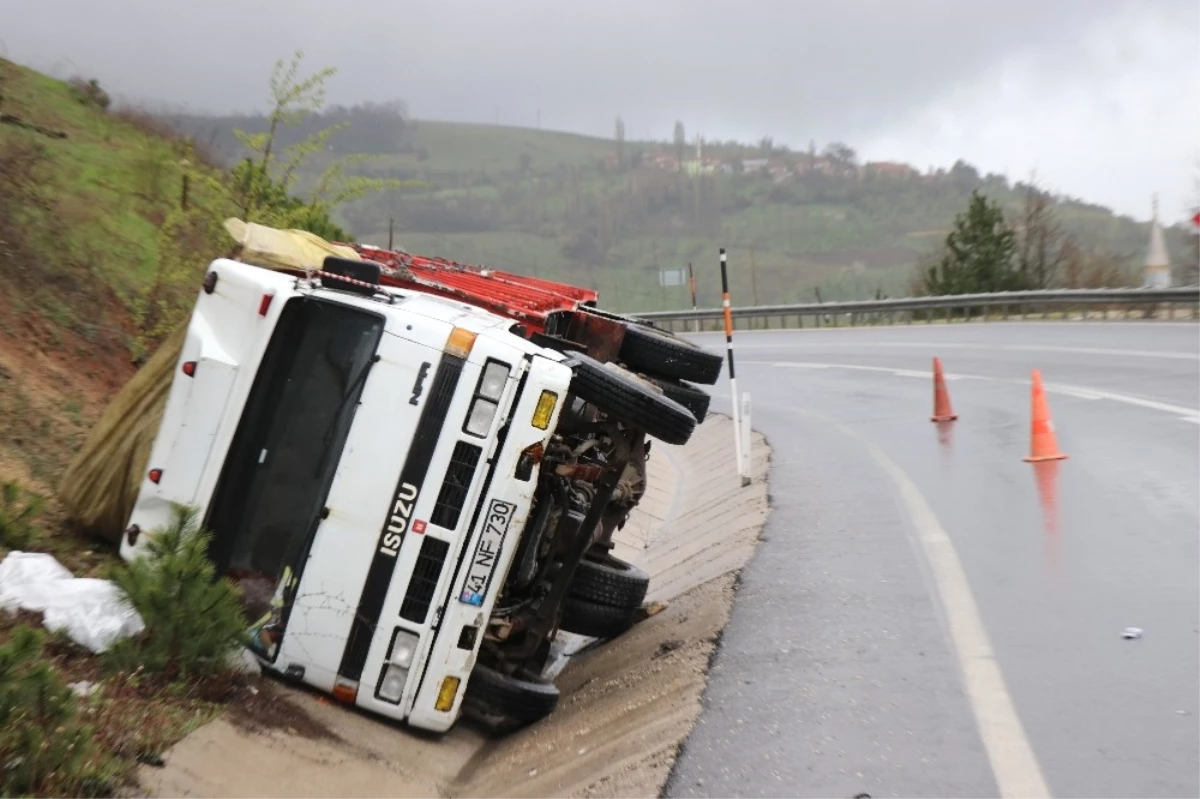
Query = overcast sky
x=1101 y=97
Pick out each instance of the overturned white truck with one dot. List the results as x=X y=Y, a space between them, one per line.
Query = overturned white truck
x=413 y=496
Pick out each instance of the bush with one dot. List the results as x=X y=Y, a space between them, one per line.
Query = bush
x=89 y=92
x=193 y=620
x=44 y=749
x=17 y=514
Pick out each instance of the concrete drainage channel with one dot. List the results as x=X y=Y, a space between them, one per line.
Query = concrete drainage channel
x=626 y=706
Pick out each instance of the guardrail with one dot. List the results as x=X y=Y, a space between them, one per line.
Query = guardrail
x=1063 y=303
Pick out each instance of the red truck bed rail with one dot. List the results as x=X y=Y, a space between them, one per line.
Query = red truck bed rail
x=527 y=300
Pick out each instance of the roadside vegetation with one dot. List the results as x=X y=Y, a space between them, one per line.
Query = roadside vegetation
x=107 y=219
x=987 y=251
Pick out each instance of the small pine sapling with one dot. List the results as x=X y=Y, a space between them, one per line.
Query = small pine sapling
x=194 y=621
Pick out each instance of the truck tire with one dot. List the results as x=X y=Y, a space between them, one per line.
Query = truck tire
x=609 y=581
x=648 y=349
x=631 y=400
x=508 y=702
x=690 y=397
x=594 y=619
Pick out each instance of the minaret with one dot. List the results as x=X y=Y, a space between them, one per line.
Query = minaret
x=1157 y=272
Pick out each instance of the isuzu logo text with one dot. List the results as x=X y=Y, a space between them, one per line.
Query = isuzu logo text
x=397 y=523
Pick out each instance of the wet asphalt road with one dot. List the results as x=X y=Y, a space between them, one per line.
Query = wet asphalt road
x=838 y=674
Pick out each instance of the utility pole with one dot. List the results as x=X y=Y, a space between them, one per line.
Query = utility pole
x=753 y=278
x=391 y=224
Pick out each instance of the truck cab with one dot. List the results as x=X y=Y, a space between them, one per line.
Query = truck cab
x=366 y=460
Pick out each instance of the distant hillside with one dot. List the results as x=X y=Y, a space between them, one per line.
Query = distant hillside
x=611 y=213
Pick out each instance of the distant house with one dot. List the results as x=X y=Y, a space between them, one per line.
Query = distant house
x=889 y=169
x=754 y=164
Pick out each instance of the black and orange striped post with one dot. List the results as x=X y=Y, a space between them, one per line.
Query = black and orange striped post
x=743 y=469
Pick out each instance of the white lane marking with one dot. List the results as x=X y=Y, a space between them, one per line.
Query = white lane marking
x=1108 y=353
x=1014 y=764
x=891 y=370
x=1078 y=392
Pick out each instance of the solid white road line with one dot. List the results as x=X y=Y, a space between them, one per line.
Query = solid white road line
x=1078 y=392
x=1014 y=764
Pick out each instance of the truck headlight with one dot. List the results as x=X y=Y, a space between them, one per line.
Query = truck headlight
x=404 y=646
x=391 y=687
x=479 y=420
x=495 y=375
x=395 y=671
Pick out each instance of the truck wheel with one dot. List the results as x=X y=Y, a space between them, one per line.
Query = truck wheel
x=611 y=581
x=631 y=400
x=508 y=702
x=690 y=397
x=648 y=349
x=594 y=619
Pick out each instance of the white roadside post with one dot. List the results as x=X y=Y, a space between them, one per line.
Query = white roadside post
x=746 y=439
x=741 y=438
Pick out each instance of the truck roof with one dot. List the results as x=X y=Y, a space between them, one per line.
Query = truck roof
x=431 y=306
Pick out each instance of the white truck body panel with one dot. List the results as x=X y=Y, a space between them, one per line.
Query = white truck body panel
x=352 y=553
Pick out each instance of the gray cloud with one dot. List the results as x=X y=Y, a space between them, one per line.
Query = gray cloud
x=1100 y=95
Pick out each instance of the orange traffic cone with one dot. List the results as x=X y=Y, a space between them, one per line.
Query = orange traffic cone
x=1043 y=445
x=942 y=412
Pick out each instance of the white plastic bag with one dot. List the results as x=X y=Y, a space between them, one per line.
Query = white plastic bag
x=90 y=611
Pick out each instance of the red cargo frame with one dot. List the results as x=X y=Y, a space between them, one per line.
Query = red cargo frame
x=527 y=300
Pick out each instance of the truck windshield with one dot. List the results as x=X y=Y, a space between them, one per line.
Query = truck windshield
x=276 y=478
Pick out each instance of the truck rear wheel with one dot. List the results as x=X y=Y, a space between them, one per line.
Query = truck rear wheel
x=594 y=619
x=631 y=400
x=609 y=581
x=508 y=702
x=690 y=397
x=648 y=349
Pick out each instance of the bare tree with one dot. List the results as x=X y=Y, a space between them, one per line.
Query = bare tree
x=1041 y=242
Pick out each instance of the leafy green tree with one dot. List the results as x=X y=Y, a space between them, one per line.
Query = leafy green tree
x=978 y=254
x=194 y=621
x=263 y=186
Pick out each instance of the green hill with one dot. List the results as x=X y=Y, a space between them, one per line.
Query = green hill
x=89 y=197
x=611 y=214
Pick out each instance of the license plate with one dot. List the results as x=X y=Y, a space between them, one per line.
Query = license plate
x=487 y=550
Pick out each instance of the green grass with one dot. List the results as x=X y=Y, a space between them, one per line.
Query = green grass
x=108 y=184
x=457 y=146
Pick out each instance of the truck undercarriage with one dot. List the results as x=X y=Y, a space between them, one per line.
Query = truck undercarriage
x=631 y=383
